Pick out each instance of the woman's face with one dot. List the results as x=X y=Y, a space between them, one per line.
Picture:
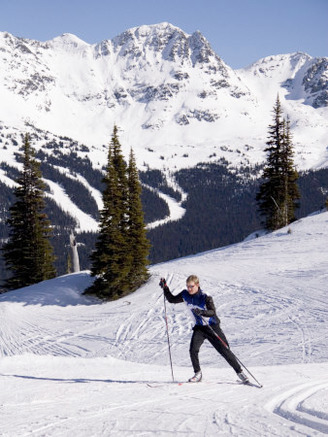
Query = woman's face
x=192 y=287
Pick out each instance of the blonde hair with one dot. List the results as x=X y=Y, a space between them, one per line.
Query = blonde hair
x=193 y=278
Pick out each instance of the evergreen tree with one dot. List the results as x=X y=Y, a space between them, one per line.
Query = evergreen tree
x=138 y=242
x=28 y=252
x=291 y=195
x=111 y=260
x=278 y=193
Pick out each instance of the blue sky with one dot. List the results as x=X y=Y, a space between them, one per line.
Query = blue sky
x=240 y=31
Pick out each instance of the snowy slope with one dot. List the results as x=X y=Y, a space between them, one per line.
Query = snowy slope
x=70 y=364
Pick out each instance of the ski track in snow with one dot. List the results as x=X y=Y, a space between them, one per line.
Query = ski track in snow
x=292 y=405
x=70 y=364
x=87 y=398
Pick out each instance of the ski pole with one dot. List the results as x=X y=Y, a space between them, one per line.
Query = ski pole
x=168 y=338
x=227 y=347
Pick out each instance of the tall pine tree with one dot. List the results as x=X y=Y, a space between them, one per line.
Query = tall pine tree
x=138 y=242
x=28 y=252
x=115 y=256
x=291 y=196
x=278 y=193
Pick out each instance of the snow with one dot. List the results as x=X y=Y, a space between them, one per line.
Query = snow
x=72 y=365
x=176 y=210
x=85 y=222
x=147 y=81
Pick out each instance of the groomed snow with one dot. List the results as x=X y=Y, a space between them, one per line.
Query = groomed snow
x=71 y=365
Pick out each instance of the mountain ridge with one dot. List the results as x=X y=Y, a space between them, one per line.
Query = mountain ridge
x=168 y=91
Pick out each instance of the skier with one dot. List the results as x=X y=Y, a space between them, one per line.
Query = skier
x=202 y=306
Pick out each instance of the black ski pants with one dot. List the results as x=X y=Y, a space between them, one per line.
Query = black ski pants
x=202 y=333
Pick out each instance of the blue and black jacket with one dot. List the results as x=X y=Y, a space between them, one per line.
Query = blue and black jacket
x=199 y=300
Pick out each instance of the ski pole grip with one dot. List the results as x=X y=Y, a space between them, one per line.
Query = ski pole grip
x=162 y=283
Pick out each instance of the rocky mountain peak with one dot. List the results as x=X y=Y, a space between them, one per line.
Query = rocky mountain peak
x=169 y=85
x=315 y=82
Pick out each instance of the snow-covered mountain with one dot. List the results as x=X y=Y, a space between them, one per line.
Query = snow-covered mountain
x=70 y=364
x=175 y=100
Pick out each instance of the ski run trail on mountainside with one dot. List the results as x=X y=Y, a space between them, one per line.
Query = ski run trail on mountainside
x=176 y=210
x=71 y=365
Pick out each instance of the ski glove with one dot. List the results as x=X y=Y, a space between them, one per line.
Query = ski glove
x=162 y=283
x=197 y=311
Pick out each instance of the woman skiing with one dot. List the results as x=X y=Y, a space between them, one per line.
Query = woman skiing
x=207 y=325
